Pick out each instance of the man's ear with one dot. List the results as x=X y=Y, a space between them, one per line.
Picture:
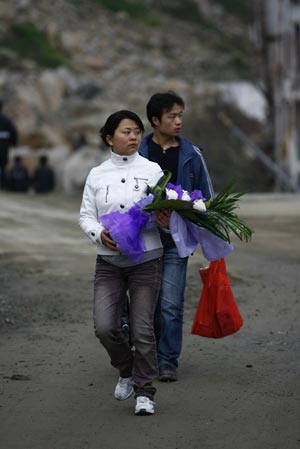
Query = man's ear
x=156 y=121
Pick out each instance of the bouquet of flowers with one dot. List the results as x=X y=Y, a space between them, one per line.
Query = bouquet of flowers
x=193 y=221
x=216 y=215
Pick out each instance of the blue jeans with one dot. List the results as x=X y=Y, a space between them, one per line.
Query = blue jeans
x=170 y=308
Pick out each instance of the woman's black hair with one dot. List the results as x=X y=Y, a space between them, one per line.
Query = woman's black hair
x=161 y=102
x=114 y=120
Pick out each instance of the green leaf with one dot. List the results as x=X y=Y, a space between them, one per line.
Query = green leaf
x=159 y=191
x=219 y=218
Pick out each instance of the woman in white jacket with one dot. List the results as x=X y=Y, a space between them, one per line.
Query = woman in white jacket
x=116 y=185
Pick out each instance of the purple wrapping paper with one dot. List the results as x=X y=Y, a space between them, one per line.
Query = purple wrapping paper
x=125 y=229
x=187 y=235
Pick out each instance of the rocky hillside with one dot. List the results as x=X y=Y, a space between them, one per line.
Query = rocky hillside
x=66 y=64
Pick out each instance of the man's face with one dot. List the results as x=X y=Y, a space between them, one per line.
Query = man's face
x=170 y=122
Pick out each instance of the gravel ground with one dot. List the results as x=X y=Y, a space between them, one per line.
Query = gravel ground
x=56 y=382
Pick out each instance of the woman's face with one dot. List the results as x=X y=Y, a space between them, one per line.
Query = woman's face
x=126 y=138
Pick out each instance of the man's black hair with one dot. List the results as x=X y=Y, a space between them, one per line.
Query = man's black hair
x=162 y=102
x=43 y=160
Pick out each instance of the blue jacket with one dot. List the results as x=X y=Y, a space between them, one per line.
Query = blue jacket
x=192 y=170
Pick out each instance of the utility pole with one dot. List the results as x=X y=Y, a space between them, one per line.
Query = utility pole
x=280 y=49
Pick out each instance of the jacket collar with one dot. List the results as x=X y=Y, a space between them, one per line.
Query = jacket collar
x=122 y=161
x=186 y=147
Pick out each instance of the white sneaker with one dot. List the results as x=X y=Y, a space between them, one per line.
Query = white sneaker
x=124 y=388
x=144 y=406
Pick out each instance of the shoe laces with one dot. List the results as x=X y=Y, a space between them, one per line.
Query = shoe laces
x=144 y=400
x=123 y=381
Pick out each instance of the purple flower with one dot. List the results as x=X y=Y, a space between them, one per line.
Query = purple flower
x=197 y=195
x=177 y=189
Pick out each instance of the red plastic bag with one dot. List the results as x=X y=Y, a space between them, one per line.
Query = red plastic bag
x=217 y=314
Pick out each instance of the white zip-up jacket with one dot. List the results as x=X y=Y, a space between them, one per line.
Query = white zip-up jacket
x=117 y=184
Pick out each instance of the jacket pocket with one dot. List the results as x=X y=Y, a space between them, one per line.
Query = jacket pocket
x=140 y=184
x=102 y=194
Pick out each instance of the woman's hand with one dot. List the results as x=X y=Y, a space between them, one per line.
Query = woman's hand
x=108 y=241
x=163 y=217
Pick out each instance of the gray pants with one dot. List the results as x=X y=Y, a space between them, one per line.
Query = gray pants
x=110 y=285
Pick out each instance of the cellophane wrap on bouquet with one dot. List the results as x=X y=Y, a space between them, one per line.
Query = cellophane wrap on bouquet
x=193 y=221
x=187 y=236
x=125 y=229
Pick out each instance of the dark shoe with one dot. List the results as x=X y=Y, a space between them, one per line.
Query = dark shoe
x=126 y=331
x=167 y=373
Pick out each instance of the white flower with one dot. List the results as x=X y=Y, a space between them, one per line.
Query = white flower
x=199 y=205
x=171 y=194
x=185 y=196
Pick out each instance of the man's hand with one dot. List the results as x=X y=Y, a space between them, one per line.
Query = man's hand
x=163 y=217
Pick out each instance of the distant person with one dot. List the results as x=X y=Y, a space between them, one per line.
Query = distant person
x=80 y=142
x=17 y=178
x=43 y=180
x=8 y=138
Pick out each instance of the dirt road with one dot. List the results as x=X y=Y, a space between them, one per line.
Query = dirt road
x=240 y=392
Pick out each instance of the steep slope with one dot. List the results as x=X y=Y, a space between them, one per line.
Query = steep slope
x=66 y=64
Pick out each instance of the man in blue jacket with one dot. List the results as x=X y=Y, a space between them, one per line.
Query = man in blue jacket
x=186 y=162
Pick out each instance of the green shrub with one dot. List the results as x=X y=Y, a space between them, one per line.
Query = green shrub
x=135 y=9
x=30 y=43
